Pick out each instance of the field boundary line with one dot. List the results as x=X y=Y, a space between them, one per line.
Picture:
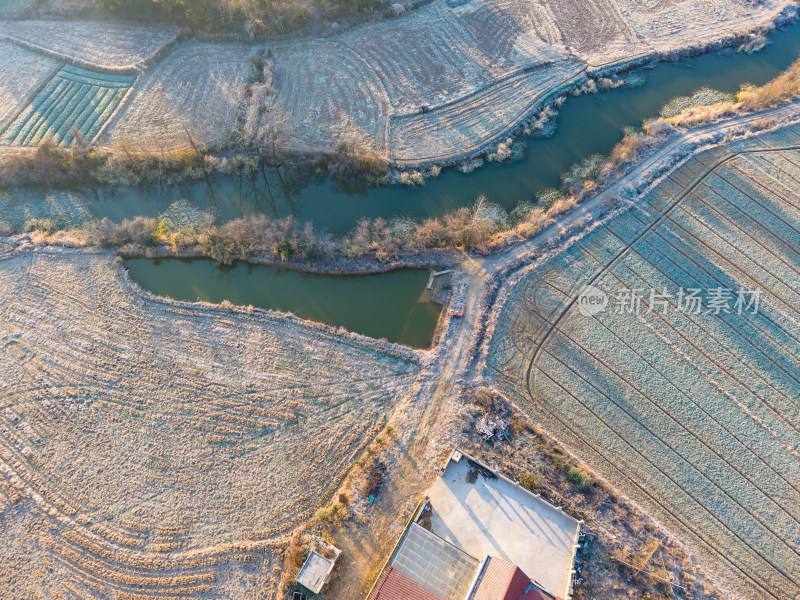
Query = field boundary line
x=538 y=101
x=698 y=181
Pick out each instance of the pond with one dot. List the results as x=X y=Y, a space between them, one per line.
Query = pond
x=389 y=305
x=393 y=305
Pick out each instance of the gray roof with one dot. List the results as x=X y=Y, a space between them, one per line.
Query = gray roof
x=435 y=564
x=315 y=572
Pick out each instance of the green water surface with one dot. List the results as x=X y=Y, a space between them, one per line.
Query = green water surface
x=389 y=305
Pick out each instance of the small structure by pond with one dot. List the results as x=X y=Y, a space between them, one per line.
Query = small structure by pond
x=317 y=569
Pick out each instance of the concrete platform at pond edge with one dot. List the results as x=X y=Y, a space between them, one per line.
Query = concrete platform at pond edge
x=484 y=513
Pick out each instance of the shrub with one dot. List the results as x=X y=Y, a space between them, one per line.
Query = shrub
x=626 y=151
x=530 y=481
x=574 y=473
x=562 y=206
x=578 y=476
x=548 y=196
x=43 y=225
x=218 y=249
x=329 y=515
x=704 y=96
x=583 y=175
x=517 y=425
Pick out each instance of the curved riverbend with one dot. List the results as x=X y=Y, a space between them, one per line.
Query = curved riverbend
x=587 y=124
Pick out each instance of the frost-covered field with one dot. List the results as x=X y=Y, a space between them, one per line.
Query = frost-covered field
x=163 y=446
x=455 y=75
x=64 y=210
x=693 y=414
x=101 y=44
x=442 y=82
x=21 y=72
x=596 y=31
x=667 y=23
x=318 y=102
x=431 y=75
x=195 y=88
x=74 y=100
x=484 y=115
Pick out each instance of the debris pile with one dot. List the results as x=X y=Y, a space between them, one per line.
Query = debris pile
x=493 y=426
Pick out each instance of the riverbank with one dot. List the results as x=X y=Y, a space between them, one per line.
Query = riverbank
x=419 y=127
x=588 y=124
x=377 y=246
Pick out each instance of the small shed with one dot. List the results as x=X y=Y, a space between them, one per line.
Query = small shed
x=315 y=572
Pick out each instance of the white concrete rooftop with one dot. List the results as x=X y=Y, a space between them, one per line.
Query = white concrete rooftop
x=315 y=572
x=485 y=514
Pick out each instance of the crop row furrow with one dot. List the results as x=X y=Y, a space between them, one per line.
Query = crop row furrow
x=781 y=207
x=743 y=336
x=703 y=519
x=724 y=216
x=669 y=405
x=35 y=118
x=743 y=268
x=705 y=466
x=772 y=187
x=687 y=335
x=36 y=133
x=675 y=247
x=725 y=362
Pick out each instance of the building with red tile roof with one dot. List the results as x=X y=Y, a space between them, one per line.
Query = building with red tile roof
x=502 y=580
x=472 y=515
x=394 y=585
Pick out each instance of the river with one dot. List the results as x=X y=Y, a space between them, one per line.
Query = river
x=392 y=305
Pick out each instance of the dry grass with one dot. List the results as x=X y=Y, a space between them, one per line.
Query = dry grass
x=783 y=88
x=562 y=206
x=162 y=446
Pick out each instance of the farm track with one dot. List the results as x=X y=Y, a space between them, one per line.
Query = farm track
x=725 y=471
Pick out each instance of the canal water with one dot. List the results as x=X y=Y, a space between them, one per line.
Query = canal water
x=390 y=305
x=587 y=124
